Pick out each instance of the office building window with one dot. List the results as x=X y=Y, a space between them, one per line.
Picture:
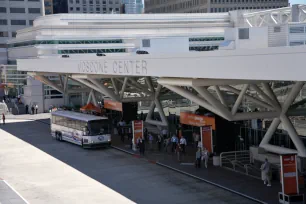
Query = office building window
x=84 y=1
x=71 y=1
x=97 y=9
x=14 y=34
x=17 y=10
x=71 y=8
x=211 y=10
x=277 y=29
x=2 y=10
x=77 y=1
x=3 y=34
x=77 y=8
x=296 y=43
x=110 y=9
x=34 y=10
x=243 y=33
x=3 y=22
x=84 y=9
x=296 y=29
x=16 y=0
x=18 y=22
x=146 y=43
x=104 y=2
x=110 y=2
x=91 y=2
x=97 y=2
x=35 y=0
x=31 y=22
x=117 y=9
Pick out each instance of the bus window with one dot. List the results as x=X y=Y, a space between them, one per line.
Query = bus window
x=97 y=127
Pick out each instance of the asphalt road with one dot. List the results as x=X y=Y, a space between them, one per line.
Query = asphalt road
x=128 y=179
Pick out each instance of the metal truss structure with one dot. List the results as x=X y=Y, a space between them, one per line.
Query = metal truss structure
x=115 y=88
x=259 y=93
x=274 y=17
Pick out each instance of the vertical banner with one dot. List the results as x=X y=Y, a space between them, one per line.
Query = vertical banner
x=289 y=174
x=206 y=138
x=137 y=128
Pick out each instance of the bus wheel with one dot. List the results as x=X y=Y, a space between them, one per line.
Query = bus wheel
x=60 y=137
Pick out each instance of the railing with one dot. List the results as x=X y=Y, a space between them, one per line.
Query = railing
x=239 y=161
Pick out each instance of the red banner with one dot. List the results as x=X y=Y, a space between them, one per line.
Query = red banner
x=289 y=174
x=206 y=138
x=137 y=130
x=197 y=120
x=112 y=105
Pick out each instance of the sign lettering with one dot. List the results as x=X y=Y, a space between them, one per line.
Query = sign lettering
x=128 y=67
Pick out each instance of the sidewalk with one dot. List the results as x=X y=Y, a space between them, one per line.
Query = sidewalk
x=224 y=178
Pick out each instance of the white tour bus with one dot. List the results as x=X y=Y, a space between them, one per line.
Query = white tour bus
x=82 y=129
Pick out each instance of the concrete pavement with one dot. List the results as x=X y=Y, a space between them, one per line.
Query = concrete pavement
x=44 y=170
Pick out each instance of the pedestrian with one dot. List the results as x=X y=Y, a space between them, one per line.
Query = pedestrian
x=266 y=169
x=164 y=133
x=198 y=158
x=145 y=134
x=205 y=157
x=196 y=139
x=166 y=144
x=32 y=109
x=27 y=109
x=151 y=141
x=183 y=144
x=174 y=141
x=36 y=108
x=121 y=125
x=159 y=142
x=141 y=146
x=178 y=151
x=3 y=118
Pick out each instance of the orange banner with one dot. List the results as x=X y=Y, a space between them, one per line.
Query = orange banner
x=206 y=138
x=112 y=105
x=197 y=120
x=137 y=130
x=289 y=170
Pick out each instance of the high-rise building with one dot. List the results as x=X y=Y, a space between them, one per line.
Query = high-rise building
x=209 y=6
x=94 y=6
x=133 y=6
x=15 y=15
x=48 y=7
x=60 y=6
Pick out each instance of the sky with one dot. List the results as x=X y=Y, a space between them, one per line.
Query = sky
x=297 y=2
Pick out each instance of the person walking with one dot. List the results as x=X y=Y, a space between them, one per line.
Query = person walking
x=198 y=158
x=32 y=109
x=266 y=168
x=36 y=108
x=159 y=142
x=205 y=157
x=164 y=133
x=141 y=145
x=3 y=118
x=196 y=138
x=183 y=144
x=145 y=134
x=166 y=144
x=151 y=141
x=178 y=151
x=174 y=141
x=27 y=109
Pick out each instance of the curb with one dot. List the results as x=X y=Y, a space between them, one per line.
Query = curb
x=192 y=176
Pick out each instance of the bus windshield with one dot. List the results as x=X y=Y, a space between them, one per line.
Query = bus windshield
x=98 y=127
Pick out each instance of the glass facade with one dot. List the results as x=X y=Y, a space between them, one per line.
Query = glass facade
x=63 y=42
x=206 y=39
x=88 y=51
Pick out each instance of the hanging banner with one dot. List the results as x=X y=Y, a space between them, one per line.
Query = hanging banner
x=206 y=138
x=289 y=174
x=113 y=105
x=197 y=120
x=137 y=127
